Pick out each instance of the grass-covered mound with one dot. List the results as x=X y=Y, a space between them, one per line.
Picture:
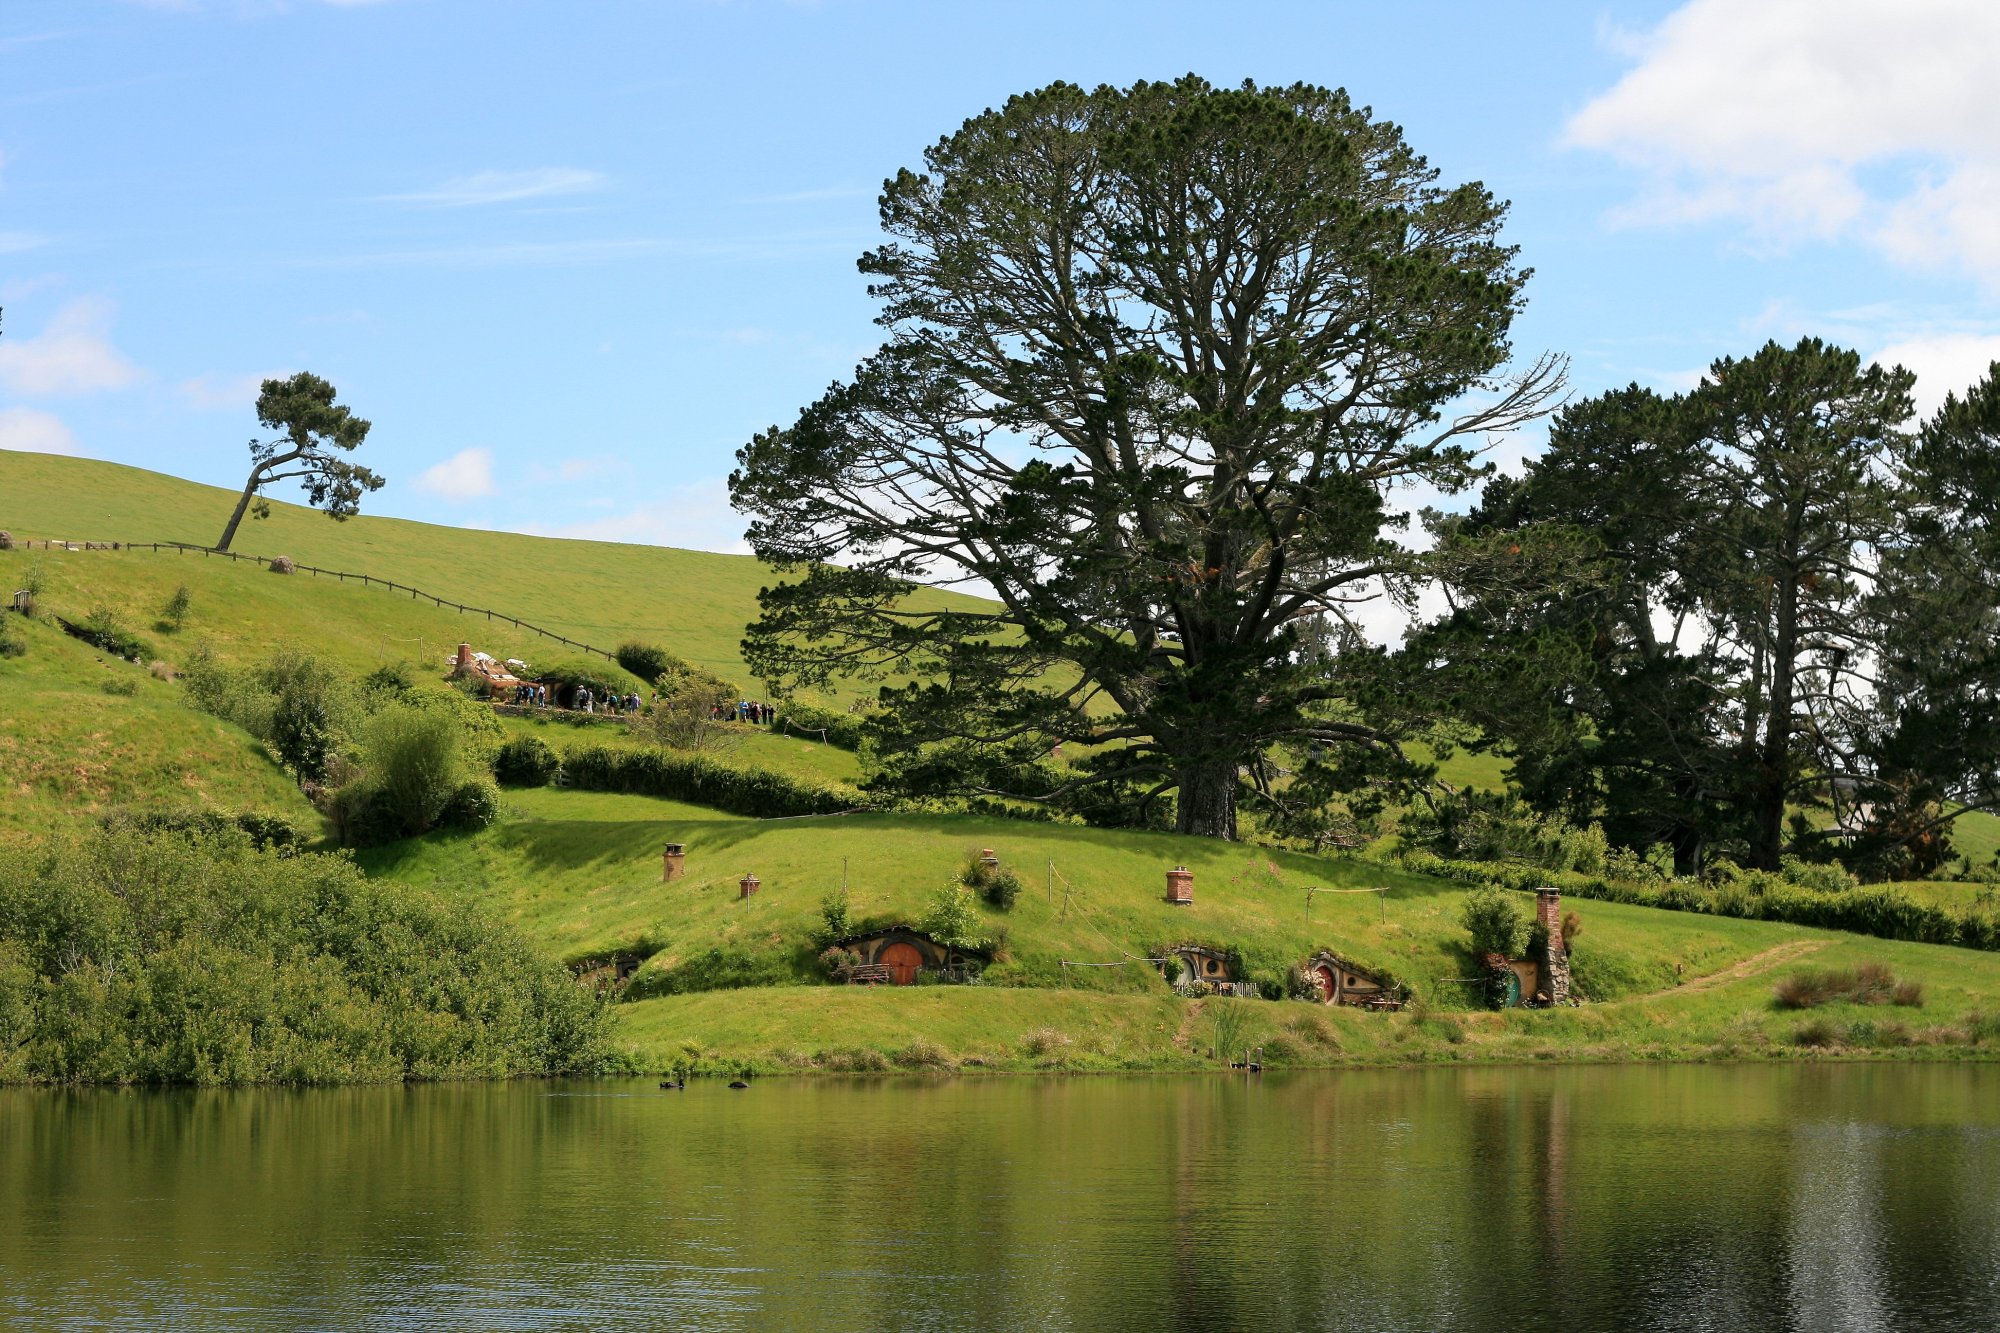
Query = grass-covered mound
x=147 y=956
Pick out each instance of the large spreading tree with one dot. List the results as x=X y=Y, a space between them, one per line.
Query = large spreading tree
x=1156 y=359
x=313 y=431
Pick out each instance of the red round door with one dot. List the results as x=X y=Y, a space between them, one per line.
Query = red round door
x=903 y=961
x=1324 y=976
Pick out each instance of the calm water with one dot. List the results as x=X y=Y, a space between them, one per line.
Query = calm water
x=1819 y=1199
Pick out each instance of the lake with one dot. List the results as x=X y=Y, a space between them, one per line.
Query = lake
x=1811 y=1197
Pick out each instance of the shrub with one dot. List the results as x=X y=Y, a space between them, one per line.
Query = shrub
x=1819 y=1033
x=839 y=963
x=833 y=917
x=757 y=793
x=475 y=805
x=413 y=761
x=1230 y=1025
x=122 y=686
x=844 y=731
x=997 y=884
x=364 y=815
x=1870 y=983
x=311 y=712
x=192 y=957
x=645 y=661
x=12 y=643
x=1495 y=921
x=1045 y=1041
x=683 y=718
x=103 y=629
x=951 y=920
x=174 y=614
x=1301 y=984
x=923 y=1053
x=526 y=761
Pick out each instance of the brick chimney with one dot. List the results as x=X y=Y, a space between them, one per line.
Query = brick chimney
x=1180 y=886
x=1554 y=961
x=673 y=862
x=748 y=884
x=464 y=658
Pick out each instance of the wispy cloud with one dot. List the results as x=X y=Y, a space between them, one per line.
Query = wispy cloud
x=73 y=354
x=695 y=516
x=466 y=475
x=26 y=430
x=215 y=393
x=501 y=187
x=1806 y=120
x=16 y=242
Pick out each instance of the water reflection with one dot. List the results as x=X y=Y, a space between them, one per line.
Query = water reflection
x=1652 y=1198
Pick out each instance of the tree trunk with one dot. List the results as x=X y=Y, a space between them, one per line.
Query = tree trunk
x=1206 y=802
x=242 y=506
x=1774 y=767
x=1688 y=845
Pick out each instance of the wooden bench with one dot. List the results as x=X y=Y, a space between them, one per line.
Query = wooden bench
x=869 y=974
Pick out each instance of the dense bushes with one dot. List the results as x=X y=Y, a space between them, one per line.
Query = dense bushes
x=996 y=883
x=526 y=761
x=758 y=793
x=189 y=956
x=645 y=661
x=843 y=731
x=1495 y=921
x=1889 y=914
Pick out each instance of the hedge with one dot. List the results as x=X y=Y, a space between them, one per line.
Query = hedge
x=757 y=793
x=843 y=731
x=1888 y=914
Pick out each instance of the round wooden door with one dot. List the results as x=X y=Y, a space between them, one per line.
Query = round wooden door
x=1323 y=975
x=903 y=961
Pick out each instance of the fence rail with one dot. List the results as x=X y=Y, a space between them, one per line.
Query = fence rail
x=343 y=575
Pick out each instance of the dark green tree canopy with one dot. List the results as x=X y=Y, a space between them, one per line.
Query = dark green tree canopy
x=312 y=432
x=1156 y=359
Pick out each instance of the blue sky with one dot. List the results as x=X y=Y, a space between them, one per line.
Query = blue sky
x=568 y=257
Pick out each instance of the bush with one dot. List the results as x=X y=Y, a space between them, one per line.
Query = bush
x=1819 y=1033
x=1870 y=983
x=189 y=956
x=923 y=1053
x=123 y=687
x=647 y=662
x=839 y=963
x=475 y=805
x=310 y=712
x=833 y=917
x=174 y=614
x=526 y=761
x=995 y=883
x=413 y=760
x=756 y=793
x=1045 y=1041
x=844 y=731
x=951 y=920
x=103 y=629
x=364 y=815
x=12 y=643
x=1496 y=922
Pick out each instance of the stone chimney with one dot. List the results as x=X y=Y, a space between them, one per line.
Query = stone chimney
x=1180 y=886
x=988 y=858
x=1554 y=961
x=464 y=658
x=673 y=862
x=748 y=884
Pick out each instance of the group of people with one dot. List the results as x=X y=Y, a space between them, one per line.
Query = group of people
x=746 y=710
x=531 y=696
x=615 y=704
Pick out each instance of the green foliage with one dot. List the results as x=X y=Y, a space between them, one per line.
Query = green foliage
x=1229 y=1025
x=757 y=793
x=834 y=922
x=102 y=628
x=311 y=711
x=1495 y=921
x=190 y=956
x=1489 y=826
x=266 y=832
x=123 y=687
x=997 y=884
x=645 y=661
x=12 y=642
x=475 y=805
x=312 y=431
x=1189 y=589
x=683 y=717
x=413 y=761
x=951 y=919
x=526 y=761
x=175 y=613
x=845 y=731
x=567 y=676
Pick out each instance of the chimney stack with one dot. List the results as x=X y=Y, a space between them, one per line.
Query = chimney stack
x=464 y=658
x=1554 y=961
x=1180 y=886
x=673 y=862
x=748 y=884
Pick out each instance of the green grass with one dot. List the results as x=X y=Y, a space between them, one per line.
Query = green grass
x=70 y=750
x=580 y=872
x=694 y=603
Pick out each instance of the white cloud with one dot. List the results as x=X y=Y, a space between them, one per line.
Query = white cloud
x=502 y=187
x=466 y=475
x=695 y=517
x=1944 y=363
x=214 y=393
x=1818 y=119
x=26 y=430
x=72 y=355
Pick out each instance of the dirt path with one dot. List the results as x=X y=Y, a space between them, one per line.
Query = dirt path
x=1789 y=951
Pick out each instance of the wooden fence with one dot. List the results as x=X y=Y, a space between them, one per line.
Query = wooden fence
x=367 y=580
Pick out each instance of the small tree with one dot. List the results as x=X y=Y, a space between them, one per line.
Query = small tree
x=951 y=919
x=413 y=760
x=311 y=427
x=1496 y=922
x=683 y=717
x=174 y=613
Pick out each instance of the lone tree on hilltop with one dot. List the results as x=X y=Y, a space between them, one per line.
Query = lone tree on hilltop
x=311 y=427
x=1156 y=358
